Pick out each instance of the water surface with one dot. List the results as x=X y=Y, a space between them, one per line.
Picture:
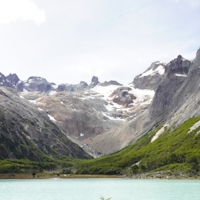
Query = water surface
x=94 y=189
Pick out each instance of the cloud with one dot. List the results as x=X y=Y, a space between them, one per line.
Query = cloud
x=193 y=3
x=12 y=10
x=83 y=38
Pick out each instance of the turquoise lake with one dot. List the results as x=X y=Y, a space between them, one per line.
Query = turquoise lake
x=94 y=189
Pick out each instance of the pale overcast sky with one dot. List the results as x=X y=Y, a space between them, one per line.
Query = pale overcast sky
x=68 y=41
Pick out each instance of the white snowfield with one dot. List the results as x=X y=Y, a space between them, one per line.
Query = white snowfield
x=140 y=95
x=160 y=69
x=104 y=92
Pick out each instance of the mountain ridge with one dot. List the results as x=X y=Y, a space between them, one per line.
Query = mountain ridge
x=103 y=118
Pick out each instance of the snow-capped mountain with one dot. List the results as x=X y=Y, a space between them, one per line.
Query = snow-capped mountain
x=104 y=117
x=90 y=112
x=87 y=113
x=11 y=80
x=151 y=78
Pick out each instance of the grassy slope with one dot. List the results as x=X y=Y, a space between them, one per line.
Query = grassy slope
x=178 y=151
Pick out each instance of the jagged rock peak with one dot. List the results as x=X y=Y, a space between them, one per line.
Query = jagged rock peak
x=95 y=80
x=107 y=83
x=36 y=83
x=36 y=79
x=198 y=52
x=151 y=78
x=197 y=58
x=13 y=78
x=72 y=87
x=2 y=79
x=178 y=67
x=9 y=81
x=155 y=67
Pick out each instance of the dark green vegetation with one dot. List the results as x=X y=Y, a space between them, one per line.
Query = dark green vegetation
x=28 y=166
x=177 y=151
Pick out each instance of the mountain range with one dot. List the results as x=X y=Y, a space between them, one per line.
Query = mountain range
x=41 y=120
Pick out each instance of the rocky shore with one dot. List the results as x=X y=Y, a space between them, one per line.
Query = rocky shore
x=166 y=175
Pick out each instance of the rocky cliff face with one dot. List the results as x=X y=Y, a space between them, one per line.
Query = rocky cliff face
x=168 y=96
x=184 y=98
x=176 y=98
x=26 y=132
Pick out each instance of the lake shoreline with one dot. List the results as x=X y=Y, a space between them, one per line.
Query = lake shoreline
x=55 y=175
x=166 y=175
x=153 y=175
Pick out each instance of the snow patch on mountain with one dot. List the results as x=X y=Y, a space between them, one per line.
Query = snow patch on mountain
x=40 y=109
x=32 y=101
x=81 y=134
x=112 y=118
x=182 y=75
x=120 y=101
x=106 y=91
x=21 y=97
x=25 y=91
x=52 y=92
x=160 y=69
x=51 y=118
x=142 y=95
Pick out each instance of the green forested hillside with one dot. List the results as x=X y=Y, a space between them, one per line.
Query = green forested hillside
x=176 y=151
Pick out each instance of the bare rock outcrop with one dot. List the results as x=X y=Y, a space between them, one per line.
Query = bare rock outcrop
x=72 y=87
x=94 y=82
x=26 y=132
x=122 y=96
x=168 y=97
